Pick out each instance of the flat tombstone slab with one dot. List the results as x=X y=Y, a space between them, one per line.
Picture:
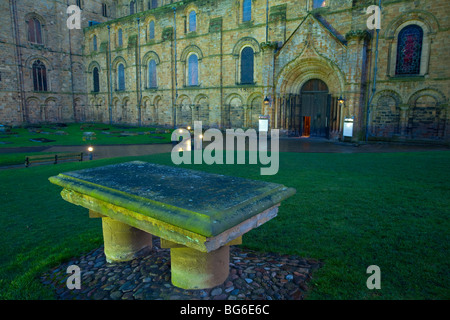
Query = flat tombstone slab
x=200 y=210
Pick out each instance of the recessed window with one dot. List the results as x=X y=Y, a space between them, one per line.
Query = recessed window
x=39 y=76
x=94 y=42
x=152 y=80
x=319 y=4
x=151 y=30
x=132 y=7
x=247 y=10
x=152 y=4
x=120 y=77
x=120 y=38
x=34 y=31
x=192 y=21
x=409 y=50
x=247 y=65
x=104 y=10
x=95 y=80
x=193 y=70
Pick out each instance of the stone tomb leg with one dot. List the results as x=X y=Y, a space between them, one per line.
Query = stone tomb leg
x=193 y=269
x=197 y=215
x=122 y=242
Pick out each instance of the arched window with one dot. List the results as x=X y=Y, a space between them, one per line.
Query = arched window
x=247 y=65
x=192 y=21
x=39 y=76
x=95 y=79
x=132 y=7
x=193 y=70
x=151 y=31
x=409 y=50
x=120 y=38
x=94 y=43
x=34 y=31
x=120 y=77
x=152 y=80
x=247 y=10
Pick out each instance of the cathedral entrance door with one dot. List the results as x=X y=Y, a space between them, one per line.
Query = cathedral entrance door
x=315 y=109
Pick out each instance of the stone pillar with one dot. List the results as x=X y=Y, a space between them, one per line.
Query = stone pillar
x=403 y=119
x=194 y=269
x=123 y=242
x=356 y=75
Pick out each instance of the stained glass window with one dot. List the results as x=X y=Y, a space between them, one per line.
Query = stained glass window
x=152 y=74
x=409 y=50
x=193 y=70
x=247 y=10
x=121 y=77
x=39 y=76
x=247 y=65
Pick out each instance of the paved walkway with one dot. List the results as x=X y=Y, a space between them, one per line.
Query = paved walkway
x=316 y=145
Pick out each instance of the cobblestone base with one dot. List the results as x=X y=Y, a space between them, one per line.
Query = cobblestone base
x=253 y=276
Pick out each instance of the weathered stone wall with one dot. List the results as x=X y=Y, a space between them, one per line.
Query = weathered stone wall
x=330 y=43
x=60 y=51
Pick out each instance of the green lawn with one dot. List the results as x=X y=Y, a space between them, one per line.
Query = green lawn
x=350 y=211
x=73 y=134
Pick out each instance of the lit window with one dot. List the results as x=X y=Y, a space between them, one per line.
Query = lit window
x=247 y=10
x=193 y=70
x=409 y=50
x=39 y=76
x=247 y=65
x=192 y=21
x=319 y=4
x=152 y=82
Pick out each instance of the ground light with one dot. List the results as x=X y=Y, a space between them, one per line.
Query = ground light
x=90 y=150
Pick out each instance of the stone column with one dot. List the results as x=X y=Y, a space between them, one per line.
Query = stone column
x=356 y=76
x=123 y=242
x=403 y=119
x=194 y=269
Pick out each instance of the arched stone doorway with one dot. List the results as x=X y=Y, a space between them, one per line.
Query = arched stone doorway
x=313 y=111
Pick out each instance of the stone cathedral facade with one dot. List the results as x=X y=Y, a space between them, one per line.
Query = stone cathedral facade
x=307 y=65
